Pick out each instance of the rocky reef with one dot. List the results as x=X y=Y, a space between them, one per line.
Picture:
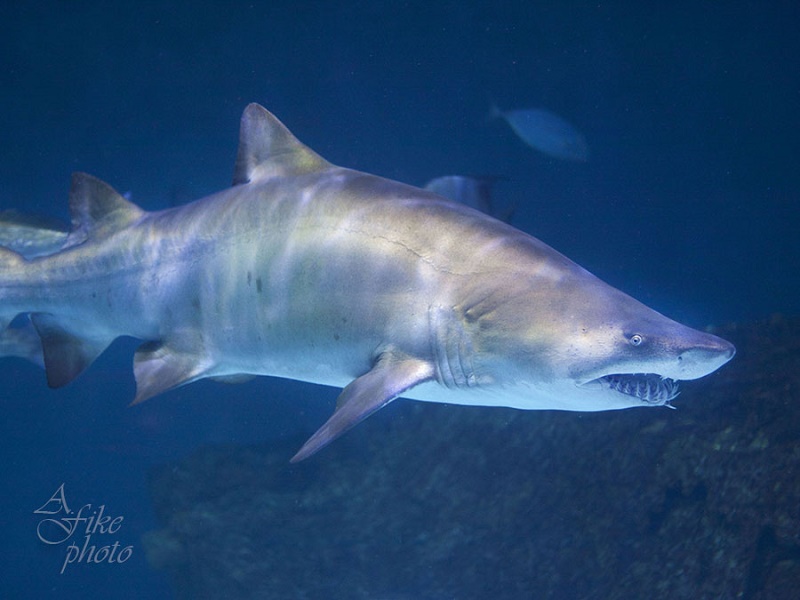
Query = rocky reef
x=433 y=501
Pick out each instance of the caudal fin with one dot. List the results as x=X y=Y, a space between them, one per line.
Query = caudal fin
x=31 y=235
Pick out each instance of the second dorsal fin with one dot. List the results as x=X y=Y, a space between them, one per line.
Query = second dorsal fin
x=97 y=209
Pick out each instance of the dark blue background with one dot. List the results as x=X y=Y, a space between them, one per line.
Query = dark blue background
x=689 y=201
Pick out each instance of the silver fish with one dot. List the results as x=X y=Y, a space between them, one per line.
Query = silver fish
x=546 y=132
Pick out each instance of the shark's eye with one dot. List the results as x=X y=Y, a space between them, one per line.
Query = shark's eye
x=635 y=339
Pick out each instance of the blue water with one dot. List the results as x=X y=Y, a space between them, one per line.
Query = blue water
x=689 y=201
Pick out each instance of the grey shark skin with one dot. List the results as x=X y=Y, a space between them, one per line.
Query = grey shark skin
x=318 y=273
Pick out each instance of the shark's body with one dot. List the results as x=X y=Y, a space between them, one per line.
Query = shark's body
x=318 y=273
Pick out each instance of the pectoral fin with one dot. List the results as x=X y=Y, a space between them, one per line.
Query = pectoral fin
x=392 y=374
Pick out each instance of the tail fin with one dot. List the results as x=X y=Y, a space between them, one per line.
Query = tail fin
x=31 y=235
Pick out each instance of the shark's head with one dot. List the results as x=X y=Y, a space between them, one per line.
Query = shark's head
x=597 y=348
x=637 y=357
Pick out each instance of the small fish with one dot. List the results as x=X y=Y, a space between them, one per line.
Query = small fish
x=545 y=132
x=31 y=235
x=475 y=192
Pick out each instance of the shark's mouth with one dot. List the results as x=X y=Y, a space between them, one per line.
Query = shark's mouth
x=647 y=387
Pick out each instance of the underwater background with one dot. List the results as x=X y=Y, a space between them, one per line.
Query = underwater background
x=688 y=201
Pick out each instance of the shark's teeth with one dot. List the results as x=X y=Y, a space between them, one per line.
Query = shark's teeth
x=647 y=387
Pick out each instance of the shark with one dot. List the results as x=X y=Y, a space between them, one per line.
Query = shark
x=314 y=272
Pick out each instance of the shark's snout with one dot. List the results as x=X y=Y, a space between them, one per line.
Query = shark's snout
x=726 y=349
x=705 y=355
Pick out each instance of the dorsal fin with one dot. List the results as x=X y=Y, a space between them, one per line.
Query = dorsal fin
x=268 y=149
x=97 y=209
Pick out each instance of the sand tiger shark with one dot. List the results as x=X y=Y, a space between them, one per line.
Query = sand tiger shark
x=310 y=271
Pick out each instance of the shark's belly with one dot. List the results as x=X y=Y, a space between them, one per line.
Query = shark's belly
x=319 y=312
